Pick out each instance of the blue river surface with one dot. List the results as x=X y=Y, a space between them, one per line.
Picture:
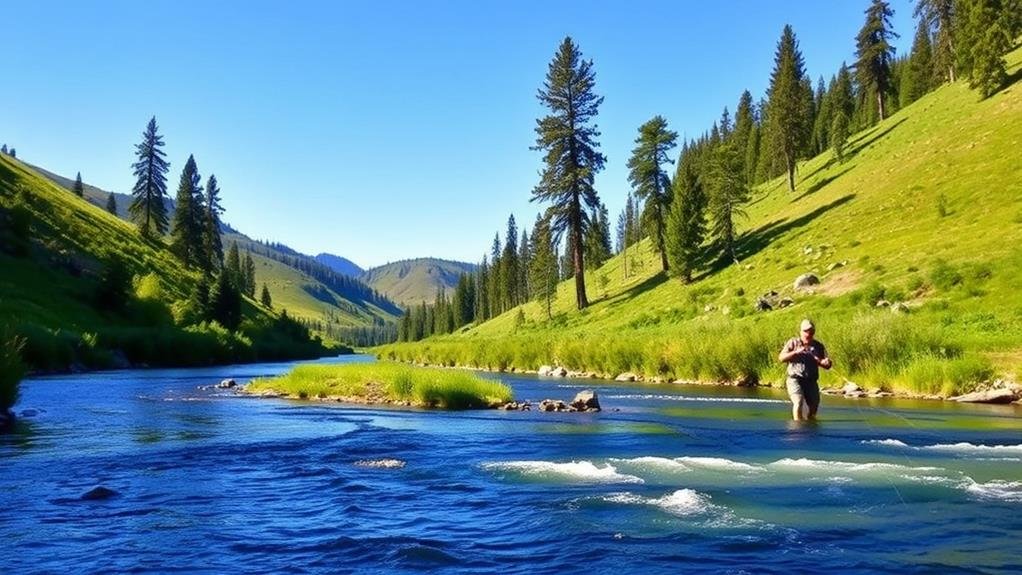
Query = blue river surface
x=666 y=479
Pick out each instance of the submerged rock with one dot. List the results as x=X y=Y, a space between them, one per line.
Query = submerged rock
x=586 y=400
x=227 y=384
x=98 y=494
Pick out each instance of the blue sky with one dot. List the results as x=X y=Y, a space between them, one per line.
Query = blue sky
x=380 y=130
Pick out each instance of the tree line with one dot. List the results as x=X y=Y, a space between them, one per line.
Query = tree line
x=692 y=218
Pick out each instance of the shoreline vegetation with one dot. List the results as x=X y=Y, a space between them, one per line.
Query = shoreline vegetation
x=384 y=384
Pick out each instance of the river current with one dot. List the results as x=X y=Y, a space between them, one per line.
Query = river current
x=666 y=479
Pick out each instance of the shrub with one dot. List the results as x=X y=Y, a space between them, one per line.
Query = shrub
x=943 y=276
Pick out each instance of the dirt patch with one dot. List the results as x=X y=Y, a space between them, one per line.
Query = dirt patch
x=839 y=282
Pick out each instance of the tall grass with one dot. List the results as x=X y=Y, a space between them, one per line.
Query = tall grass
x=11 y=369
x=388 y=383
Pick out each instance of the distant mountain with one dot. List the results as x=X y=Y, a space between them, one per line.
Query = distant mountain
x=340 y=265
x=410 y=282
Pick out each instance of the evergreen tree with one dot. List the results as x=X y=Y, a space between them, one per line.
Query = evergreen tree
x=939 y=17
x=874 y=53
x=824 y=118
x=232 y=268
x=686 y=220
x=147 y=208
x=3 y=150
x=788 y=115
x=509 y=265
x=649 y=179
x=225 y=303
x=839 y=134
x=543 y=267
x=984 y=38
x=13 y=153
x=79 y=187
x=265 y=298
x=482 y=307
x=597 y=249
x=111 y=204
x=524 y=256
x=919 y=76
x=745 y=123
x=496 y=291
x=729 y=192
x=572 y=159
x=188 y=225
x=248 y=273
x=212 y=244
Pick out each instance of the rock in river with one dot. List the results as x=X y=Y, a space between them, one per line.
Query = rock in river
x=98 y=494
x=586 y=400
x=997 y=395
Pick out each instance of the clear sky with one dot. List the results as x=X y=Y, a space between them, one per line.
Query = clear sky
x=380 y=130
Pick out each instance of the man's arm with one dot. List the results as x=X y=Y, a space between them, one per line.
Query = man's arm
x=823 y=360
x=789 y=351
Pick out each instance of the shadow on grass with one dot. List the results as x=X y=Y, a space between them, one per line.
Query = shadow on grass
x=649 y=283
x=754 y=241
x=819 y=184
x=867 y=142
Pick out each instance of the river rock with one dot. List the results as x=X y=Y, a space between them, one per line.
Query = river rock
x=850 y=387
x=626 y=376
x=227 y=384
x=586 y=400
x=98 y=494
x=785 y=302
x=997 y=395
x=552 y=405
x=559 y=372
x=805 y=281
x=545 y=370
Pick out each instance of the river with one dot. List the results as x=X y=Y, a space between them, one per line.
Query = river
x=665 y=479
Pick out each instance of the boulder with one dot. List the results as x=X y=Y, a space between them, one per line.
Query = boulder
x=883 y=303
x=552 y=405
x=805 y=281
x=545 y=370
x=785 y=302
x=626 y=376
x=559 y=372
x=850 y=387
x=763 y=305
x=900 y=307
x=836 y=265
x=98 y=494
x=709 y=307
x=855 y=394
x=227 y=384
x=996 y=395
x=586 y=400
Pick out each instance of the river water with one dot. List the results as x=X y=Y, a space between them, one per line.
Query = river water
x=665 y=479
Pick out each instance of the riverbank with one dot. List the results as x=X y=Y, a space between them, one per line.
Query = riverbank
x=384 y=384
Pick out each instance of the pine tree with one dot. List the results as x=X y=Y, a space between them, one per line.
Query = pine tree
x=212 y=244
x=874 y=53
x=524 y=257
x=984 y=38
x=572 y=159
x=919 y=75
x=686 y=220
x=839 y=134
x=79 y=187
x=939 y=17
x=509 y=265
x=482 y=307
x=729 y=192
x=147 y=209
x=232 y=267
x=597 y=250
x=788 y=110
x=225 y=303
x=265 y=298
x=248 y=272
x=497 y=294
x=13 y=153
x=111 y=204
x=3 y=149
x=188 y=225
x=543 y=267
x=649 y=179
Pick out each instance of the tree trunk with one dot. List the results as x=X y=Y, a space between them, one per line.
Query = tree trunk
x=880 y=105
x=576 y=249
x=789 y=160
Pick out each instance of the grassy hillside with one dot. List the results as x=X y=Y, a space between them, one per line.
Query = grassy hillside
x=410 y=282
x=61 y=288
x=925 y=211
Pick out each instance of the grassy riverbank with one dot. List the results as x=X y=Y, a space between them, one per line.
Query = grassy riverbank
x=923 y=215
x=383 y=383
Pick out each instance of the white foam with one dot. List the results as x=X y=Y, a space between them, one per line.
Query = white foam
x=718 y=464
x=847 y=466
x=581 y=471
x=654 y=463
x=380 y=463
x=683 y=502
x=996 y=489
x=886 y=442
x=964 y=447
x=665 y=397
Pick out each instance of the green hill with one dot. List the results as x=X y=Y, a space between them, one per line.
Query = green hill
x=926 y=211
x=410 y=282
x=86 y=290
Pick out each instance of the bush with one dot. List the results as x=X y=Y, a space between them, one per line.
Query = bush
x=943 y=276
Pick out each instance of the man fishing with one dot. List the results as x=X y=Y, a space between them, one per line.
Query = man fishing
x=804 y=356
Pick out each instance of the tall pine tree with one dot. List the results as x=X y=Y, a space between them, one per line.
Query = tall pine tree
x=111 y=204
x=939 y=16
x=875 y=52
x=147 y=208
x=212 y=244
x=919 y=75
x=649 y=179
x=543 y=267
x=729 y=192
x=686 y=220
x=788 y=109
x=186 y=231
x=79 y=187
x=249 y=274
x=568 y=136
x=984 y=37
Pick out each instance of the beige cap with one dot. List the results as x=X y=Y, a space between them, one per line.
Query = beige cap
x=807 y=325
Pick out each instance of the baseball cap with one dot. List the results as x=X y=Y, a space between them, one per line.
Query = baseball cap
x=807 y=325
